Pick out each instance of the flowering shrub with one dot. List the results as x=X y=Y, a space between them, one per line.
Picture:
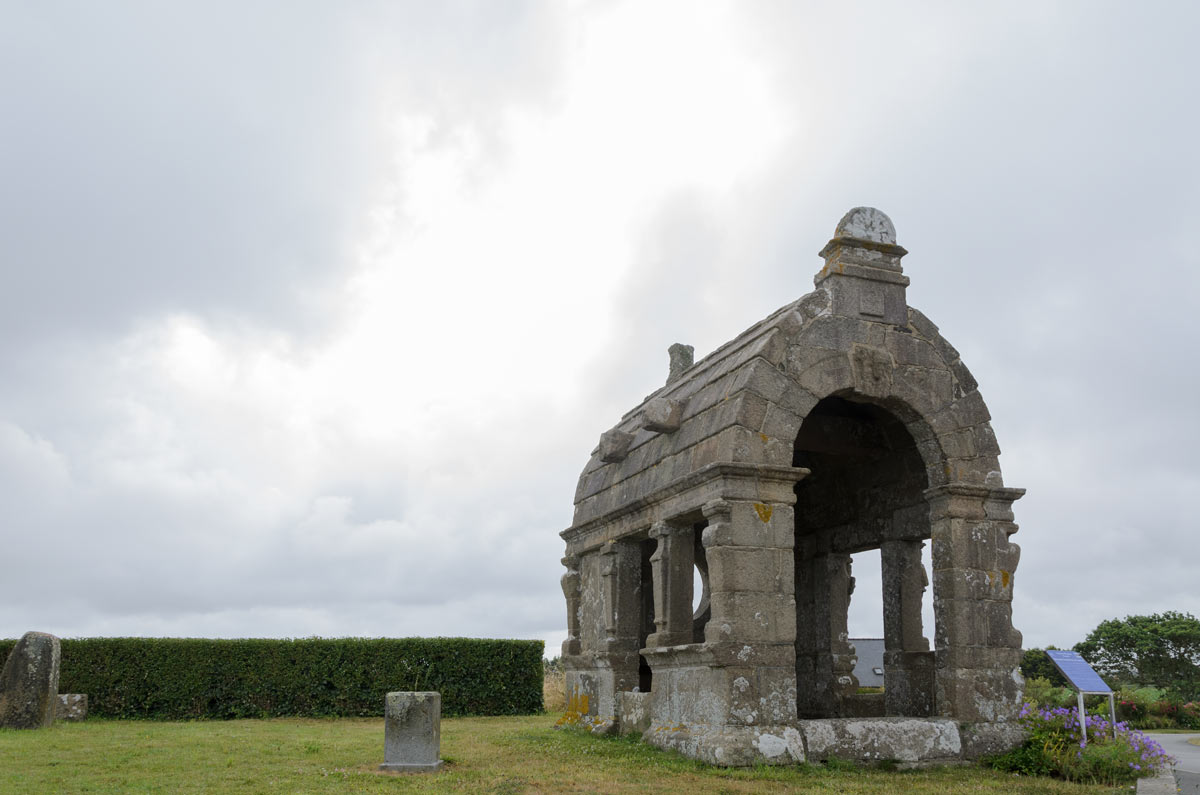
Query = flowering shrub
x=1055 y=748
x=1189 y=715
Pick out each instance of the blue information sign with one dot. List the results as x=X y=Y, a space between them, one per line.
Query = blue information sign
x=1081 y=675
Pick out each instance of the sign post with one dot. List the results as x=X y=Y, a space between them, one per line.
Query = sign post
x=1085 y=680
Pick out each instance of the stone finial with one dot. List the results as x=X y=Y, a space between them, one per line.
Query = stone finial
x=682 y=357
x=29 y=683
x=862 y=272
x=614 y=446
x=867 y=223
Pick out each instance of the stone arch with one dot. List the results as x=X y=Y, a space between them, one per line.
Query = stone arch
x=866 y=491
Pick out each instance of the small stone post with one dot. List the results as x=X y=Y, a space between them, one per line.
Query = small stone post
x=412 y=739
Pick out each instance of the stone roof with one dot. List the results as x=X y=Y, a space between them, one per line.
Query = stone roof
x=743 y=404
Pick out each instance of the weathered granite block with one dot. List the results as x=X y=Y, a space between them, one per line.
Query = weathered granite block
x=909 y=740
x=984 y=739
x=29 y=683
x=634 y=712
x=72 y=706
x=412 y=739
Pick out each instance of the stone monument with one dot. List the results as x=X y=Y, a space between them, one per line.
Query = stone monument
x=29 y=683
x=412 y=740
x=842 y=422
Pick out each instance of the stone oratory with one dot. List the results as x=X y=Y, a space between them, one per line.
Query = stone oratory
x=841 y=423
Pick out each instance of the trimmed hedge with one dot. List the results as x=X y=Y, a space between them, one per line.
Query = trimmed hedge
x=192 y=678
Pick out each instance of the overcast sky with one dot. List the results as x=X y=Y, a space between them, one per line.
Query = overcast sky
x=311 y=313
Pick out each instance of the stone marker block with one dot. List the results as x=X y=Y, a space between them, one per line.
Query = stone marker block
x=412 y=739
x=72 y=706
x=29 y=683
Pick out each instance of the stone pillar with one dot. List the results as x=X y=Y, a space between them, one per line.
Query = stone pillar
x=811 y=691
x=570 y=587
x=752 y=625
x=673 y=565
x=908 y=663
x=610 y=624
x=978 y=651
x=834 y=658
x=412 y=732
x=621 y=583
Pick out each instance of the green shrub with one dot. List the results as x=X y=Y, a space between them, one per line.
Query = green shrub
x=1054 y=747
x=1042 y=693
x=190 y=678
x=1036 y=664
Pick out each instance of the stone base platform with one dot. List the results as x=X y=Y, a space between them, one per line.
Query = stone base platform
x=399 y=767
x=731 y=746
x=909 y=742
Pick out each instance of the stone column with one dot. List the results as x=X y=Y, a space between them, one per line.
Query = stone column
x=621 y=583
x=570 y=587
x=978 y=651
x=673 y=565
x=811 y=690
x=752 y=628
x=609 y=594
x=908 y=663
x=834 y=658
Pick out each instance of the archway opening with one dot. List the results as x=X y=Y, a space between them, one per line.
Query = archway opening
x=865 y=492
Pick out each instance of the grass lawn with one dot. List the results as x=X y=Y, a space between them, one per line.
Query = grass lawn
x=483 y=755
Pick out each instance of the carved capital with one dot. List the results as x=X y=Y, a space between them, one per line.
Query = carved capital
x=717 y=510
x=660 y=530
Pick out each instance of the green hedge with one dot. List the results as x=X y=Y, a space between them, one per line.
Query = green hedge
x=191 y=678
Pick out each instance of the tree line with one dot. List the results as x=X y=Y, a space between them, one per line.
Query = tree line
x=1160 y=650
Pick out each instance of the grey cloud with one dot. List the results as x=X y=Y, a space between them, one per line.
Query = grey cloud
x=1038 y=161
x=220 y=157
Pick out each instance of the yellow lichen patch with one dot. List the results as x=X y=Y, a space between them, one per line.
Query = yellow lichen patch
x=577 y=708
x=764 y=511
x=764 y=437
x=1005 y=578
